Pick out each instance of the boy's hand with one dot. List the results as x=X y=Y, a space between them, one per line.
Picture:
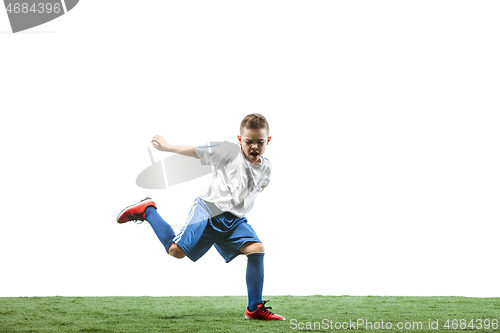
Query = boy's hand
x=159 y=143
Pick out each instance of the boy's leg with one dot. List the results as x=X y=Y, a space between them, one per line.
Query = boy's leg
x=243 y=239
x=162 y=229
x=146 y=210
x=257 y=308
x=196 y=237
x=255 y=273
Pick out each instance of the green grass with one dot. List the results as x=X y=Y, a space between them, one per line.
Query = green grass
x=225 y=314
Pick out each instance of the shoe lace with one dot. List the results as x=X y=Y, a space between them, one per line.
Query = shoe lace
x=265 y=308
x=136 y=218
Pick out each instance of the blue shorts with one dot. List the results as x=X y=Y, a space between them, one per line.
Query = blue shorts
x=206 y=225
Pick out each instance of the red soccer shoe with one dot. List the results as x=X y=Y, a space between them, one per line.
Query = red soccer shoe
x=135 y=212
x=262 y=313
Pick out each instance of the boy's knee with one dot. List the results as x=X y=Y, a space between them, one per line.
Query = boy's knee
x=258 y=248
x=175 y=251
x=252 y=248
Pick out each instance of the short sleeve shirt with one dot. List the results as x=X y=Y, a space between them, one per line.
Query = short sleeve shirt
x=235 y=181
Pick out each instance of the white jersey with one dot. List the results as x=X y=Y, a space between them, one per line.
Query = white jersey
x=235 y=181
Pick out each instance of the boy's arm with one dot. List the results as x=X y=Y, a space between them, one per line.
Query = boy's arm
x=161 y=144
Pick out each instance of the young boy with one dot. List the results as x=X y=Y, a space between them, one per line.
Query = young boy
x=218 y=213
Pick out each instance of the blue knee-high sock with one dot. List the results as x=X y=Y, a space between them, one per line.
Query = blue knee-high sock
x=162 y=229
x=255 y=279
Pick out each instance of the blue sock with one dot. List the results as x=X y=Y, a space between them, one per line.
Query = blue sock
x=255 y=279
x=162 y=229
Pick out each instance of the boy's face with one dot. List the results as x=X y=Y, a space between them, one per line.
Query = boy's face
x=253 y=143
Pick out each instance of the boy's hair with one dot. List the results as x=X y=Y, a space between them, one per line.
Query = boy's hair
x=254 y=121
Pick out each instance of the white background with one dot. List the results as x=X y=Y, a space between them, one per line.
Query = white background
x=385 y=144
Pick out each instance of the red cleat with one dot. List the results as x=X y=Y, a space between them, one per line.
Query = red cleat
x=135 y=212
x=262 y=313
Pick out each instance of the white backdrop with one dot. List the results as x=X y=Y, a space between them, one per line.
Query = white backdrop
x=385 y=150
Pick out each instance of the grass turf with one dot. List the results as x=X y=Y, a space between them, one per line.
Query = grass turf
x=226 y=314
